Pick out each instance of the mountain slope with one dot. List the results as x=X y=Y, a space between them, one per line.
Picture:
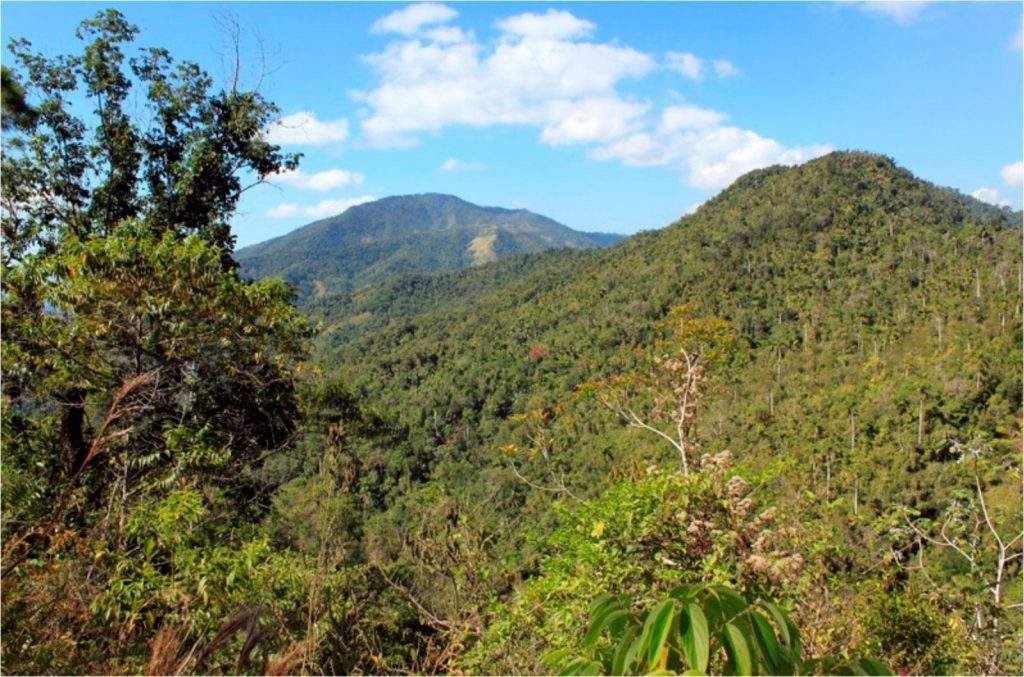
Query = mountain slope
x=411 y=233
x=878 y=318
x=822 y=268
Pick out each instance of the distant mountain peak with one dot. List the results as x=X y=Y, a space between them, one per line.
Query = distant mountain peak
x=425 y=232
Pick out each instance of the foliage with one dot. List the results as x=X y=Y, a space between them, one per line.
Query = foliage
x=82 y=172
x=700 y=630
x=876 y=321
x=643 y=537
x=133 y=360
x=915 y=633
x=16 y=111
x=182 y=492
x=144 y=382
x=407 y=234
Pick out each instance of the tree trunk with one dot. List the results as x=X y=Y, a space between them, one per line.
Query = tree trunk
x=72 y=431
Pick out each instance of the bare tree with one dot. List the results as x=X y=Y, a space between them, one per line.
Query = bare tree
x=965 y=529
x=672 y=387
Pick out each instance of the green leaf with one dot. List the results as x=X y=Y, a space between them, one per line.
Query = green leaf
x=733 y=604
x=620 y=660
x=696 y=639
x=659 y=629
x=766 y=641
x=632 y=652
x=602 y=602
x=873 y=666
x=738 y=649
x=684 y=593
x=554 y=658
x=781 y=624
x=582 y=666
x=786 y=629
x=606 y=619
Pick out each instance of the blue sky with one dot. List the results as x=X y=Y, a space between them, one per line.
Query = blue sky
x=605 y=116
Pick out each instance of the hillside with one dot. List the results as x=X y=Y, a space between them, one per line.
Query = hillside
x=403 y=234
x=865 y=300
x=781 y=435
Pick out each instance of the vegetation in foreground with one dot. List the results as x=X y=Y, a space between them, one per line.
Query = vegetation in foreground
x=781 y=435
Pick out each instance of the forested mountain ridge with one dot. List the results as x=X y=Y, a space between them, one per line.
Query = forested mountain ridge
x=878 y=318
x=409 y=233
x=787 y=426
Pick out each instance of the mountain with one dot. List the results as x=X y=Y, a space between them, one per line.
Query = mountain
x=410 y=233
x=878 y=320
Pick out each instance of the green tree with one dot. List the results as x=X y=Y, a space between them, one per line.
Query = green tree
x=180 y=166
x=137 y=364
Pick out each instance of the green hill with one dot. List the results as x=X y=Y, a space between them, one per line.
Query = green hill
x=879 y=323
x=411 y=233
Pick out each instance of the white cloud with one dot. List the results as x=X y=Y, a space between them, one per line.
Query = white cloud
x=555 y=24
x=693 y=207
x=686 y=64
x=446 y=35
x=596 y=119
x=991 y=196
x=538 y=73
x=725 y=69
x=546 y=71
x=1017 y=42
x=320 y=210
x=320 y=181
x=303 y=128
x=454 y=165
x=711 y=155
x=901 y=11
x=409 y=20
x=1013 y=175
x=675 y=118
x=693 y=67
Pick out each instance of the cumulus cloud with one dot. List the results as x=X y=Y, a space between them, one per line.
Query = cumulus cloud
x=697 y=142
x=303 y=128
x=320 y=210
x=447 y=35
x=695 y=68
x=409 y=20
x=539 y=73
x=686 y=64
x=675 y=118
x=547 y=71
x=593 y=119
x=1013 y=175
x=991 y=196
x=555 y=24
x=725 y=69
x=902 y=12
x=320 y=181
x=455 y=165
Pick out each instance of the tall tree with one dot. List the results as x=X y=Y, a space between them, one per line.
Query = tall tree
x=134 y=356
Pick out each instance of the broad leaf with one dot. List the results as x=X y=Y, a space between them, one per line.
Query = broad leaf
x=696 y=639
x=659 y=630
x=738 y=649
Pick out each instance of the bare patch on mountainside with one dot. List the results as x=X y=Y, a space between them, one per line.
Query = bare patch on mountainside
x=481 y=248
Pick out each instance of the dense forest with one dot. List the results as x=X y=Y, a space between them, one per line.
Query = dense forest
x=404 y=234
x=779 y=436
